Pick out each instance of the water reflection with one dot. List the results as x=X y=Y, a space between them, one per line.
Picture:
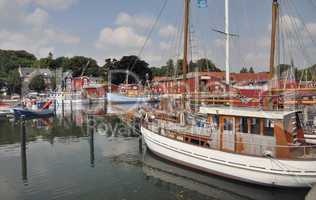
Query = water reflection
x=23 y=152
x=167 y=173
x=89 y=155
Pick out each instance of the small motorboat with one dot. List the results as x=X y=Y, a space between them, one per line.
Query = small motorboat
x=310 y=138
x=27 y=113
x=5 y=112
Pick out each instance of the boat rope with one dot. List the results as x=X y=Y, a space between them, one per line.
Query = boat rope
x=284 y=167
x=165 y=2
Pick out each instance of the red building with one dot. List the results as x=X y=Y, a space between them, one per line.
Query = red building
x=210 y=82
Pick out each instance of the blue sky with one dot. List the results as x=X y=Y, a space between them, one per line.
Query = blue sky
x=114 y=28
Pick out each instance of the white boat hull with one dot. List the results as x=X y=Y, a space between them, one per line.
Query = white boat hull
x=121 y=99
x=75 y=101
x=311 y=139
x=258 y=170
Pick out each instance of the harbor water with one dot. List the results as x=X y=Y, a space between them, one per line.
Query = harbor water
x=80 y=156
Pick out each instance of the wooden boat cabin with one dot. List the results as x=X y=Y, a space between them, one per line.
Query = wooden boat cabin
x=250 y=131
x=131 y=89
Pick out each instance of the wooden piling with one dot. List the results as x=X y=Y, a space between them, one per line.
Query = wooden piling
x=23 y=150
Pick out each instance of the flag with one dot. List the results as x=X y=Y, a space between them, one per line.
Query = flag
x=202 y=3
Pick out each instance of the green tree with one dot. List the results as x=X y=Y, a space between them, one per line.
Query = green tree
x=37 y=83
x=206 y=65
x=10 y=60
x=179 y=67
x=80 y=65
x=244 y=70
x=251 y=70
x=14 y=81
x=170 y=67
x=61 y=62
x=132 y=64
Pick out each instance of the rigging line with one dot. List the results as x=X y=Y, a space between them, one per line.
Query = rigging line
x=248 y=27
x=298 y=35
x=303 y=22
x=173 y=47
x=313 y=3
x=178 y=27
x=285 y=45
x=150 y=32
x=171 y=42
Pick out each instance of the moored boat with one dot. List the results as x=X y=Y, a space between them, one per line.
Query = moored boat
x=269 y=152
x=122 y=99
x=27 y=113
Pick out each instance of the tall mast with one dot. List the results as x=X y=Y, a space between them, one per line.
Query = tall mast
x=186 y=38
x=227 y=64
x=185 y=49
x=275 y=14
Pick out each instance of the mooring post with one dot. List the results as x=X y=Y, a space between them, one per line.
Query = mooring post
x=55 y=107
x=63 y=107
x=71 y=110
x=140 y=144
x=23 y=150
x=91 y=138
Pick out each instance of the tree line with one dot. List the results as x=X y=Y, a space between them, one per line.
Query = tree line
x=11 y=60
x=172 y=68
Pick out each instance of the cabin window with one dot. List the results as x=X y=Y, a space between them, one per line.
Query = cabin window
x=255 y=126
x=228 y=125
x=194 y=141
x=268 y=127
x=243 y=125
x=215 y=121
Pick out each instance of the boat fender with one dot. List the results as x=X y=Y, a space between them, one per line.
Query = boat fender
x=267 y=154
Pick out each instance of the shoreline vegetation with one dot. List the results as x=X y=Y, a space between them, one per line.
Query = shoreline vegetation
x=11 y=60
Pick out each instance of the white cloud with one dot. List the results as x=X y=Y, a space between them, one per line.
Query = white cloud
x=168 y=31
x=59 y=36
x=32 y=31
x=290 y=23
x=137 y=21
x=220 y=43
x=39 y=42
x=38 y=18
x=121 y=37
x=311 y=27
x=50 y=4
x=164 y=46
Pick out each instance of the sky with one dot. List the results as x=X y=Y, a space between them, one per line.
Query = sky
x=114 y=28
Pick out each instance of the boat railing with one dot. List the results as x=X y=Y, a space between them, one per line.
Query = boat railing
x=242 y=143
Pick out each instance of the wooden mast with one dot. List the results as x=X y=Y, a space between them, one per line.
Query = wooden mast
x=185 y=47
x=275 y=14
x=268 y=104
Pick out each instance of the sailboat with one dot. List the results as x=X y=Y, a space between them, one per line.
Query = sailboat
x=260 y=146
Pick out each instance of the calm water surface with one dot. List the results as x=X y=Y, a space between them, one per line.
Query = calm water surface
x=64 y=158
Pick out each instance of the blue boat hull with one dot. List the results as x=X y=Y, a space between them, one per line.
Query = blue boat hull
x=18 y=113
